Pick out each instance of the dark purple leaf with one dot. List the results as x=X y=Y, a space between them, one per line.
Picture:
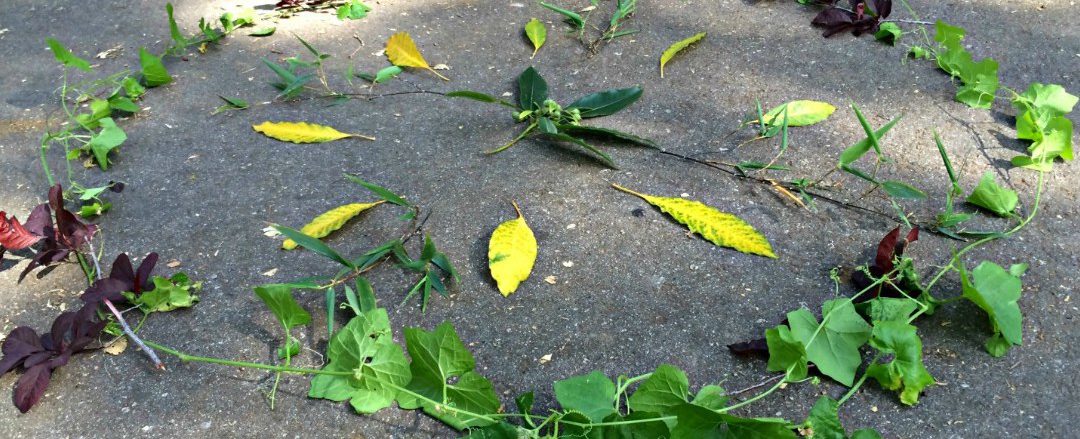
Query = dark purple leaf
x=750 y=347
x=31 y=386
x=885 y=252
x=39 y=219
x=13 y=235
x=20 y=343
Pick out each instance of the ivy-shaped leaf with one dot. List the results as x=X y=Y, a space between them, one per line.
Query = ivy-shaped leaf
x=511 y=253
x=723 y=229
x=823 y=422
x=786 y=353
x=835 y=348
x=674 y=49
x=664 y=390
x=153 y=70
x=330 y=221
x=592 y=394
x=402 y=52
x=699 y=422
x=302 y=132
x=65 y=56
x=995 y=290
x=279 y=298
x=109 y=138
x=905 y=372
x=376 y=366
x=442 y=370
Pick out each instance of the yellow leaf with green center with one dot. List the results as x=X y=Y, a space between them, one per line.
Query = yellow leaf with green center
x=402 y=52
x=511 y=253
x=302 y=132
x=330 y=221
x=799 y=113
x=723 y=229
x=537 y=34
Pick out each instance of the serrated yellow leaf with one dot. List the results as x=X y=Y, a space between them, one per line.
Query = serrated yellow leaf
x=676 y=48
x=511 y=253
x=330 y=221
x=302 y=132
x=402 y=52
x=537 y=33
x=799 y=113
x=723 y=229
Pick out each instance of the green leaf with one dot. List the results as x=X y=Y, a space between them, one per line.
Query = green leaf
x=664 y=390
x=1048 y=100
x=546 y=126
x=799 y=113
x=568 y=138
x=312 y=244
x=835 y=348
x=992 y=197
x=123 y=104
x=532 y=90
x=94 y=209
x=711 y=397
x=154 y=73
x=995 y=290
x=647 y=426
x=168 y=294
x=477 y=96
x=364 y=348
x=280 y=300
x=591 y=394
x=379 y=191
x=887 y=309
x=290 y=349
x=132 y=88
x=110 y=137
x=700 y=422
x=331 y=305
x=502 y=430
x=537 y=34
x=888 y=33
x=606 y=102
x=352 y=10
x=366 y=300
x=860 y=148
x=386 y=74
x=65 y=56
x=263 y=31
x=439 y=358
x=786 y=353
x=897 y=189
x=905 y=372
x=571 y=17
x=824 y=420
x=1055 y=141
x=580 y=130
x=179 y=41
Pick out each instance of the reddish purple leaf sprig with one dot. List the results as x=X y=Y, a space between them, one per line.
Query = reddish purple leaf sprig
x=863 y=16
x=889 y=249
x=57 y=239
x=39 y=356
x=122 y=278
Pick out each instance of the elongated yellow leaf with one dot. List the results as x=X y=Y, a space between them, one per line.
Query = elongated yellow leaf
x=330 y=221
x=799 y=113
x=302 y=132
x=402 y=52
x=676 y=48
x=537 y=34
x=511 y=253
x=723 y=229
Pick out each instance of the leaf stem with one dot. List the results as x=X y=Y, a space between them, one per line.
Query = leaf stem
x=528 y=129
x=283 y=369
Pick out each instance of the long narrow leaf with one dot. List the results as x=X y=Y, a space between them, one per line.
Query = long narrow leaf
x=313 y=244
x=380 y=191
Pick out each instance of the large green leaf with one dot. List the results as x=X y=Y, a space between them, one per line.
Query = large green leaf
x=606 y=102
x=835 y=348
x=905 y=372
x=990 y=196
x=695 y=422
x=582 y=130
x=824 y=422
x=153 y=70
x=279 y=299
x=786 y=353
x=532 y=89
x=442 y=370
x=592 y=394
x=366 y=349
x=664 y=390
x=996 y=290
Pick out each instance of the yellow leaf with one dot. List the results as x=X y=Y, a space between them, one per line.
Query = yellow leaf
x=117 y=347
x=723 y=229
x=511 y=253
x=302 y=132
x=799 y=113
x=537 y=34
x=402 y=52
x=330 y=221
x=676 y=48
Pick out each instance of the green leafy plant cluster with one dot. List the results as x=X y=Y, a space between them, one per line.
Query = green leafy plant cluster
x=554 y=122
x=624 y=10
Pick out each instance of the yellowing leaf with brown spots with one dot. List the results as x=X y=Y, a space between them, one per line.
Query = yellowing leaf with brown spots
x=330 y=221
x=402 y=52
x=511 y=253
x=723 y=229
x=302 y=132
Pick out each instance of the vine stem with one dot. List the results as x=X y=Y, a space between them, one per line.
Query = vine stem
x=283 y=369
